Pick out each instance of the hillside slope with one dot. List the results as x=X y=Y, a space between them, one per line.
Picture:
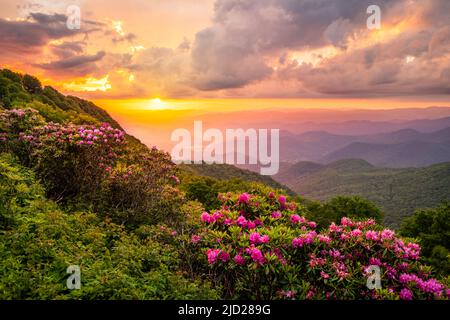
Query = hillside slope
x=226 y=172
x=17 y=90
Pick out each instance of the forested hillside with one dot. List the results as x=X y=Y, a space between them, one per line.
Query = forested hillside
x=398 y=191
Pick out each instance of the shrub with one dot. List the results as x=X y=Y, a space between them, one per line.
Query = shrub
x=142 y=192
x=72 y=160
x=262 y=247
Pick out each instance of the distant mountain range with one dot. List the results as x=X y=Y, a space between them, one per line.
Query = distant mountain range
x=397 y=191
x=403 y=148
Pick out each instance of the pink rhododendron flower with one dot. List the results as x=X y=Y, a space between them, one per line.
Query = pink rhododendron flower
x=298 y=242
x=372 y=235
x=387 y=234
x=324 y=275
x=406 y=294
x=374 y=262
x=206 y=217
x=334 y=228
x=356 y=233
x=256 y=255
x=295 y=218
x=276 y=214
x=224 y=256
x=212 y=255
x=239 y=260
x=282 y=199
x=244 y=198
x=195 y=239
x=346 y=222
x=241 y=221
x=251 y=225
x=254 y=238
x=324 y=239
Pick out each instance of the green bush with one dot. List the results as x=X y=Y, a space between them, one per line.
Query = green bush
x=432 y=228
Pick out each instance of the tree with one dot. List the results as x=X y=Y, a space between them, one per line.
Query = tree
x=31 y=84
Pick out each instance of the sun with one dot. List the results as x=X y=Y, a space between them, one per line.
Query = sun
x=157 y=104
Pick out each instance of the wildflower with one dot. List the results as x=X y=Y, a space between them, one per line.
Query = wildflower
x=206 y=217
x=212 y=255
x=387 y=234
x=312 y=225
x=239 y=260
x=297 y=242
x=251 y=225
x=324 y=239
x=224 y=256
x=282 y=199
x=356 y=233
x=346 y=222
x=374 y=262
x=241 y=221
x=256 y=255
x=372 y=235
x=254 y=238
x=334 y=228
x=276 y=214
x=195 y=239
x=244 y=198
x=406 y=294
x=175 y=179
x=295 y=218
x=324 y=275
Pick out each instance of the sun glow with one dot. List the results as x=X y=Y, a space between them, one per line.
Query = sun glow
x=157 y=104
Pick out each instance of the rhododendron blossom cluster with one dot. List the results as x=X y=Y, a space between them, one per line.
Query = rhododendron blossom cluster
x=264 y=247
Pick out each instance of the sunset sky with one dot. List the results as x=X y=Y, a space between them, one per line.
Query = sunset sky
x=231 y=54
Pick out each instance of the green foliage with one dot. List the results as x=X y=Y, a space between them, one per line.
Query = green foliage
x=142 y=190
x=337 y=208
x=432 y=228
x=31 y=84
x=18 y=190
x=43 y=241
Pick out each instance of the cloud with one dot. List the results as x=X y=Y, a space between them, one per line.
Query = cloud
x=254 y=42
x=32 y=34
x=73 y=61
